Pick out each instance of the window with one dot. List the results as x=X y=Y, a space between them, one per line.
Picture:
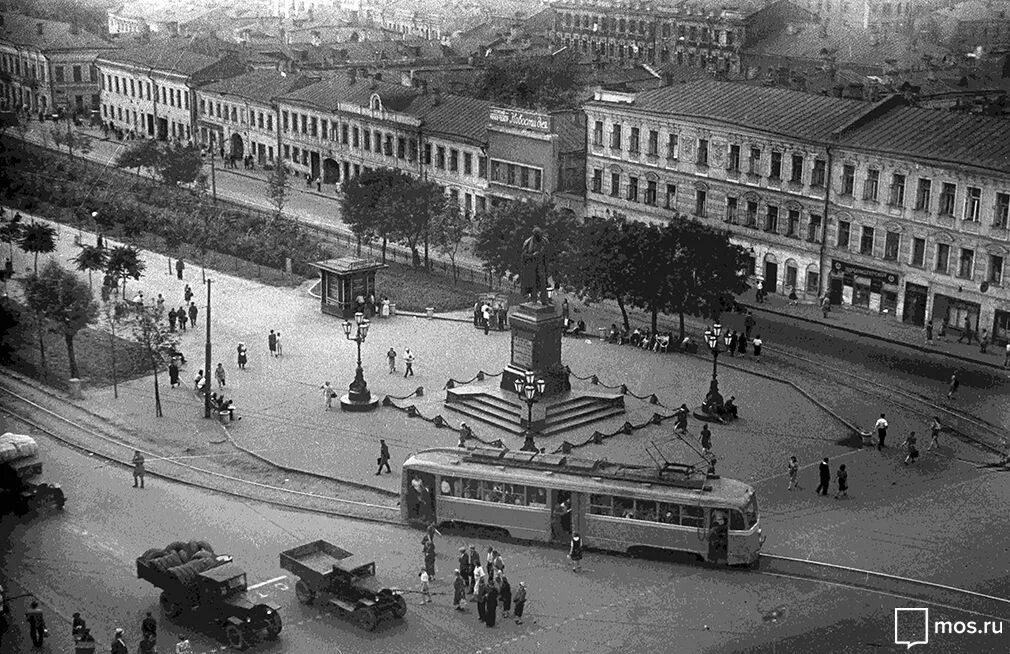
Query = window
x=467 y=163
x=344 y=131
x=942 y=257
x=848 y=179
x=314 y=127
x=754 y=161
x=440 y=157
x=598 y=133
x=819 y=174
x=597 y=180
x=650 y=193
x=891 y=243
x=966 y=264
x=133 y=88
x=78 y=75
x=731 y=204
x=897 y=198
x=995 y=269
x=922 y=192
x=427 y=154
x=671 y=196
x=814 y=228
x=772 y=219
x=633 y=141
x=615 y=137
x=813 y=281
x=653 y=143
x=61 y=76
x=844 y=227
x=796 y=175
x=794 y=223
x=702 y=152
x=972 y=203
x=866 y=241
x=700 y=197
x=871 y=185
x=633 y=189
x=366 y=137
x=615 y=185
x=918 y=252
x=947 y=194
x=203 y=106
x=752 y=213
x=401 y=149
x=387 y=148
x=673 y=147
x=734 y=159
x=356 y=138
x=454 y=160
x=776 y=172
x=1002 y=212
x=92 y=74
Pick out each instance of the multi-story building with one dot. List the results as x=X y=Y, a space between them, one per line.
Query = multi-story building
x=966 y=26
x=885 y=15
x=148 y=89
x=895 y=210
x=705 y=34
x=345 y=125
x=150 y=17
x=47 y=65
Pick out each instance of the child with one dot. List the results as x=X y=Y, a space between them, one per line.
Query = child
x=425 y=590
x=934 y=431
x=843 y=483
x=913 y=453
x=794 y=470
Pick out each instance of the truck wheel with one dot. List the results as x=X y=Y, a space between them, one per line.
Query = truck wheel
x=400 y=609
x=171 y=608
x=366 y=619
x=274 y=625
x=304 y=593
x=236 y=639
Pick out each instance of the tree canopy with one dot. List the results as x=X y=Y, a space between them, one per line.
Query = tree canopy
x=278 y=187
x=448 y=229
x=90 y=259
x=124 y=263
x=600 y=263
x=175 y=164
x=540 y=82
x=63 y=301
x=501 y=232
x=37 y=238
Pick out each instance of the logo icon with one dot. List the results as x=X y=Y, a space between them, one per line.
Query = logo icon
x=911 y=626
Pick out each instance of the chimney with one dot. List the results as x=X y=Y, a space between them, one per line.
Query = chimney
x=352 y=75
x=38 y=27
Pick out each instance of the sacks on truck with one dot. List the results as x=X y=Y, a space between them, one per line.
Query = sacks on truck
x=17 y=446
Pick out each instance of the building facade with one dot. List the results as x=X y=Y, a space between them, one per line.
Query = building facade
x=47 y=66
x=814 y=189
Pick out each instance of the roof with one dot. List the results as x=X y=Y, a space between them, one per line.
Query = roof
x=163 y=55
x=326 y=94
x=53 y=35
x=975 y=10
x=935 y=134
x=261 y=84
x=345 y=265
x=778 y=111
x=695 y=7
x=452 y=114
x=571 y=133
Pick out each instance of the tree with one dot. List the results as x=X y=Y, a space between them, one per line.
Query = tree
x=448 y=229
x=149 y=329
x=63 y=301
x=13 y=333
x=717 y=271
x=37 y=238
x=179 y=164
x=142 y=154
x=364 y=204
x=72 y=140
x=657 y=258
x=599 y=263
x=412 y=205
x=278 y=186
x=502 y=231
x=539 y=82
x=112 y=314
x=124 y=263
x=90 y=259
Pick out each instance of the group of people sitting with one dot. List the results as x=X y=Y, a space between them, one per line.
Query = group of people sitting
x=573 y=328
x=219 y=404
x=645 y=339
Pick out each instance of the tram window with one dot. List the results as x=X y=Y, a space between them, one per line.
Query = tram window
x=624 y=507
x=751 y=511
x=515 y=494
x=601 y=504
x=536 y=496
x=669 y=513
x=471 y=489
x=692 y=516
x=736 y=521
x=449 y=485
x=645 y=510
x=490 y=491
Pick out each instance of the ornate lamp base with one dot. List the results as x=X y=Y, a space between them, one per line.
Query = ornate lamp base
x=358 y=405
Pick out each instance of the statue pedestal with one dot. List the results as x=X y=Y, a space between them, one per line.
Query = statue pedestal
x=536 y=347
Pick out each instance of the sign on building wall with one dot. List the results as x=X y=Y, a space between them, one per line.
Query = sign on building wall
x=520 y=119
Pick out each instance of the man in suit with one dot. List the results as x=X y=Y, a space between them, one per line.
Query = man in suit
x=825 y=471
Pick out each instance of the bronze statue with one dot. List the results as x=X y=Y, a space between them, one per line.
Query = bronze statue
x=533 y=277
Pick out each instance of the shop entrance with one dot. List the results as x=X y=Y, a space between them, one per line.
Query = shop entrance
x=771 y=277
x=914 y=312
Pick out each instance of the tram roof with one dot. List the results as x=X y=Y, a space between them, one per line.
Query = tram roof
x=609 y=474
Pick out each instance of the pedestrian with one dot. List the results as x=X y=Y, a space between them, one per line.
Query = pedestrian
x=383 y=459
x=171 y=319
x=941 y=334
x=187 y=294
x=147 y=645
x=842 y=479
x=328 y=395
x=1006 y=356
x=825 y=305
x=272 y=343
x=706 y=439
x=680 y=421
x=953 y=386
x=160 y=302
x=138 y=468
x=77 y=627
x=480 y=596
x=967 y=332
x=731 y=348
x=485 y=318
x=219 y=375
x=498 y=563
x=825 y=476
x=794 y=472
x=491 y=605
x=149 y=626
x=118 y=644
x=489 y=562
x=476 y=313
x=180 y=314
x=934 y=434
x=408 y=361
x=243 y=355
x=277 y=342
x=474 y=567
x=173 y=374
x=100 y=243
x=929 y=331
x=179 y=267
x=86 y=644
x=458 y=591
x=465 y=569
x=192 y=314
x=198 y=382
x=429 y=558
x=391 y=358
x=564 y=310
x=741 y=345
x=575 y=552
x=757 y=343
x=881 y=427
x=910 y=448
x=425 y=588
x=36 y=624
x=983 y=341
x=505 y=595
x=519 y=602
x=748 y=324
x=431 y=531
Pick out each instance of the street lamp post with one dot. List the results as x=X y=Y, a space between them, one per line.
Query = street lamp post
x=529 y=388
x=713 y=400
x=358 y=397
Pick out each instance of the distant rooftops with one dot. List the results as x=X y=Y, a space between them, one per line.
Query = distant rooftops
x=168 y=55
x=27 y=31
x=261 y=85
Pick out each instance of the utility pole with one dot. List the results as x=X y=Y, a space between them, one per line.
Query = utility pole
x=206 y=362
x=213 y=180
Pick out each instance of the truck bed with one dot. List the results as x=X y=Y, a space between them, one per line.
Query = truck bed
x=315 y=559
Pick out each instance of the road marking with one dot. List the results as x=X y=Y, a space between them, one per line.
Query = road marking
x=267 y=582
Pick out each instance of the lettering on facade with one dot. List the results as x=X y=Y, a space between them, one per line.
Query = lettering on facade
x=522 y=351
x=880 y=276
x=518 y=119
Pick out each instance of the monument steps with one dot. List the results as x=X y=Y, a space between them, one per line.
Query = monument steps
x=486 y=408
x=562 y=415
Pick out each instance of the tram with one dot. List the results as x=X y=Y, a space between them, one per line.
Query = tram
x=613 y=506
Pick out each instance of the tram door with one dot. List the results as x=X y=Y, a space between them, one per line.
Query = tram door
x=579 y=501
x=718 y=536
x=561 y=516
x=421 y=497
